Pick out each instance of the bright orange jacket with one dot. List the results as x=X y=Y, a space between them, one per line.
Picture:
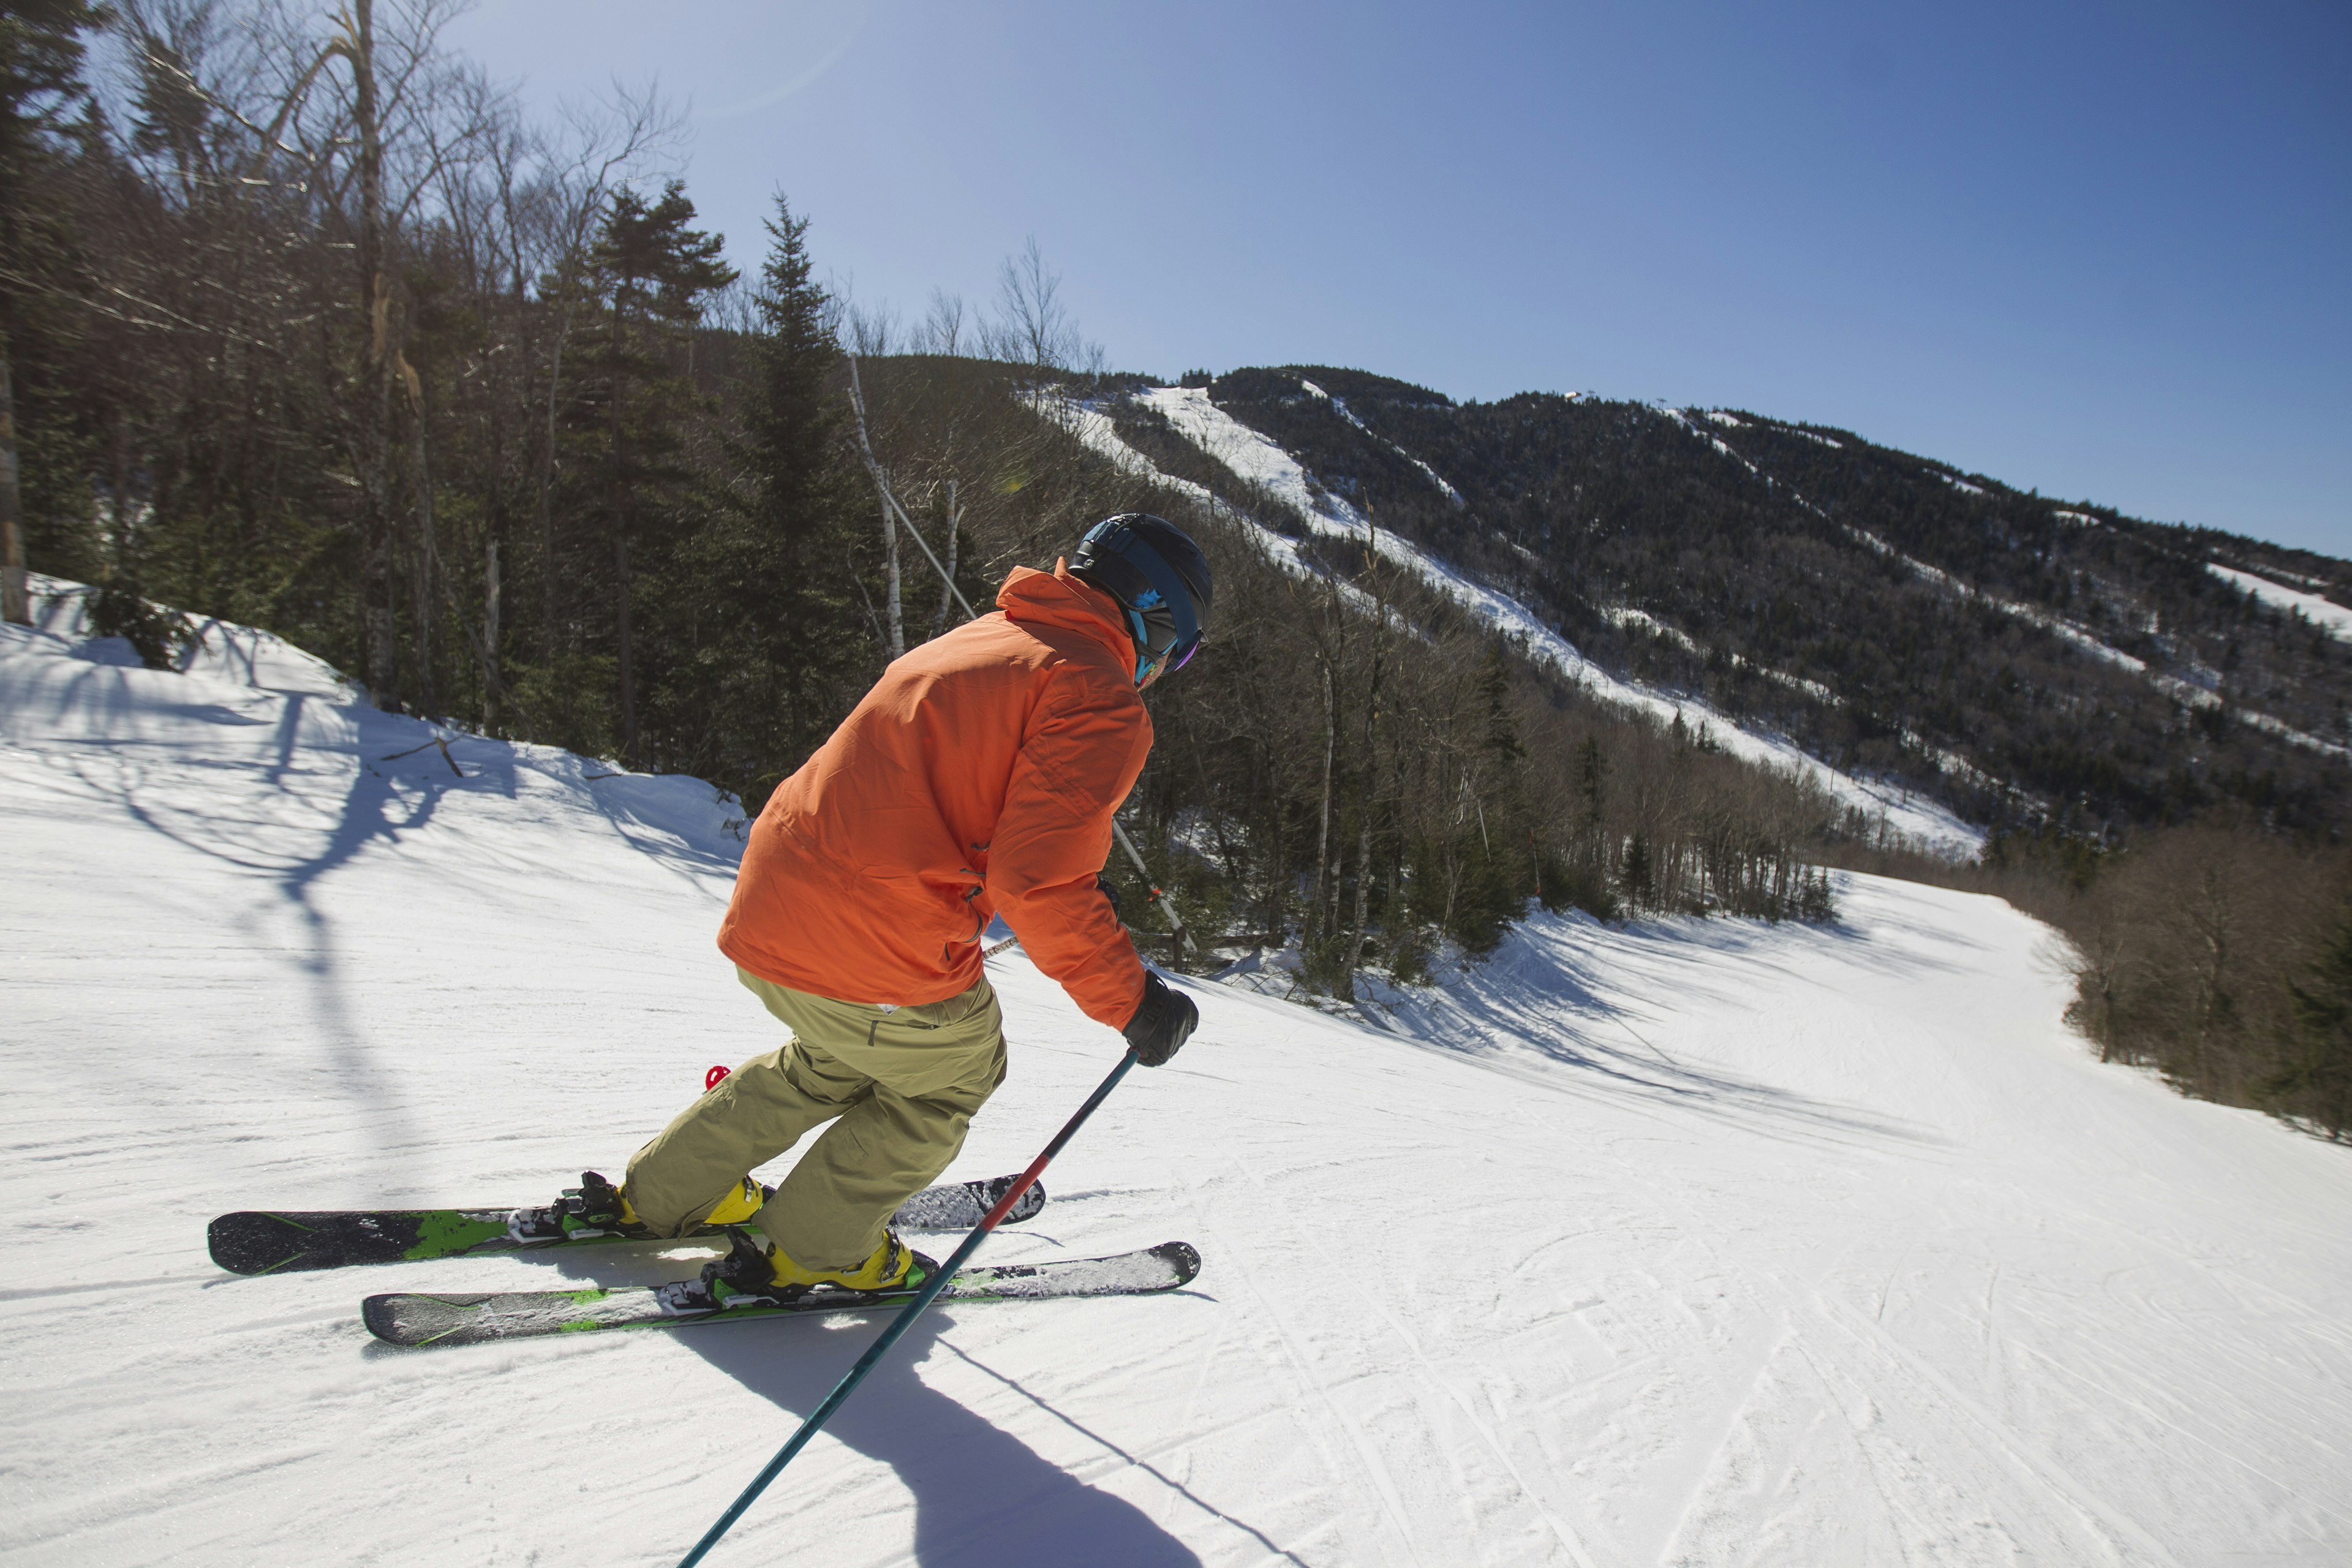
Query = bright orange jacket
x=978 y=778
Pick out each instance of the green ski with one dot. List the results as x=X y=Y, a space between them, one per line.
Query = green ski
x=260 y=1242
x=411 y=1319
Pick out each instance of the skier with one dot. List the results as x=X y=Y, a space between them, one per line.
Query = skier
x=977 y=778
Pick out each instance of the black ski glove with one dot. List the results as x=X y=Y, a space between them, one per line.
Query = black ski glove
x=1109 y=889
x=1162 y=1025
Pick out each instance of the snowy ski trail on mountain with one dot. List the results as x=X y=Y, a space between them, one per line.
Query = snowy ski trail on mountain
x=1687 y=1242
x=1260 y=460
x=2323 y=613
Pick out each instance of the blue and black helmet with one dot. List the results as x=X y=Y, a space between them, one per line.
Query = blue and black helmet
x=1160 y=580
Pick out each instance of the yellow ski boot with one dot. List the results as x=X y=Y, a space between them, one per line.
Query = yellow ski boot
x=752 y=1273
x=597 y=1207
x=737 y=1206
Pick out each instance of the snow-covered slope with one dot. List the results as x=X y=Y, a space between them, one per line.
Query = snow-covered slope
x=1688 y=1243
x=2323 y=613
x=1259 y=460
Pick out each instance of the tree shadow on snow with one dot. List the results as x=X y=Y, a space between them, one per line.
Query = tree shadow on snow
x=983 y=1498
x=1543 y=992
x=374 y=805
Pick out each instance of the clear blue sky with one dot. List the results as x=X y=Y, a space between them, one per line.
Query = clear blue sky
x=2105 y=250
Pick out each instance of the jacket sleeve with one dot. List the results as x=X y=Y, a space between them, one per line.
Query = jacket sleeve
x=1085 y=746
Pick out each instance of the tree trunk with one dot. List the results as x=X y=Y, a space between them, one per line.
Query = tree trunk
x=1372 y=764
x=373 y=443
x=1323 y=819
x=425 y=607
x=382 y=638
x=897 y=630
x=490 y=587
x=1363 y=890
x=547 y=489
x=16 y=595
x=890 y=570
x=947 y=589
x=620 y=553
x=628 y=676
x=118 y=550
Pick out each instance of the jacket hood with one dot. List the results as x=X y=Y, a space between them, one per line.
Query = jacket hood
x=1058 y=599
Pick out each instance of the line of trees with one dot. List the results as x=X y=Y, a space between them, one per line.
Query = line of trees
x=2216 y=953
x=1379 y=781
x=1351 y=762
x=310 y=329
x=2221 y=956
x=313 y=329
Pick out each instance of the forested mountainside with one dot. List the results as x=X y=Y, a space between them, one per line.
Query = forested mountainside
x=2033 y=662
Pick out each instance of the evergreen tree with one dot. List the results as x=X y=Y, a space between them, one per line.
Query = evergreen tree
x=1634 y=875
x=1495 y=689
x=40 y=76
x=631 y=473
x=781 y=650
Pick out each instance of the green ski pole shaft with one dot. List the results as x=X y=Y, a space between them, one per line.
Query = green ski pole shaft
x=904 y=1320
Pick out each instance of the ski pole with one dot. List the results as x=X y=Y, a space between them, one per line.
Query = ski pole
x=904 y=1320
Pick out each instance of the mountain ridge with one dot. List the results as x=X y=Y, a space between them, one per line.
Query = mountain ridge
x=2030 y=662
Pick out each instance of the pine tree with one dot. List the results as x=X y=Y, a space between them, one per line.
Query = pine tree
x=781 y=650
x=1634 y=875
x=1494 y=688
x=40 y=67
x=631 y=474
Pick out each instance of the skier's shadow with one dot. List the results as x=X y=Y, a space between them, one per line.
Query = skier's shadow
x=982 y=1496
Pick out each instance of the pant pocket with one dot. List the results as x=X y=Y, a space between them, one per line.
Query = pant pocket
x=956 y=1010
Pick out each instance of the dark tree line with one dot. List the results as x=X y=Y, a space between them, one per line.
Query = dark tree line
x=1350 y=762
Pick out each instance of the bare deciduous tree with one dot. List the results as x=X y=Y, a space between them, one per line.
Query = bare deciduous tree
x=1032 y=326
x=943 y=331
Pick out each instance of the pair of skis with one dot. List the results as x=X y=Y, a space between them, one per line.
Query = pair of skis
x=276 y=1243
x=257 y=1242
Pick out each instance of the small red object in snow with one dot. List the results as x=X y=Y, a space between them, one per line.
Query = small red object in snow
x=712 y=1078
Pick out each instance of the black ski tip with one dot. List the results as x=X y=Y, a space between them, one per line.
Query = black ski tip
x=381 y=1314
x=960 y=1205
x=1025 y=1206
x=251 y=1242
x=406 y=1318
x=1182 y=1257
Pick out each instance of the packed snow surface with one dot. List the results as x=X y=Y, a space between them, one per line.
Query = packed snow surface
x=1678 y=1243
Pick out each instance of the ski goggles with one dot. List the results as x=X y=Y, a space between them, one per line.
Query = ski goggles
x=1166 y=628
x=1164 y=645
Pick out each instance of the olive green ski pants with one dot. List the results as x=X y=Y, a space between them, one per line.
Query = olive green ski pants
x=899 y=1086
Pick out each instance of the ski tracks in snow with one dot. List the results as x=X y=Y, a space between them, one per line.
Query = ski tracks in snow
x=1437 y=1390
x=1690 y=1243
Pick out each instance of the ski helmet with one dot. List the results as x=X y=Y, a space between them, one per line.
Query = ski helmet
x=1160 y=579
